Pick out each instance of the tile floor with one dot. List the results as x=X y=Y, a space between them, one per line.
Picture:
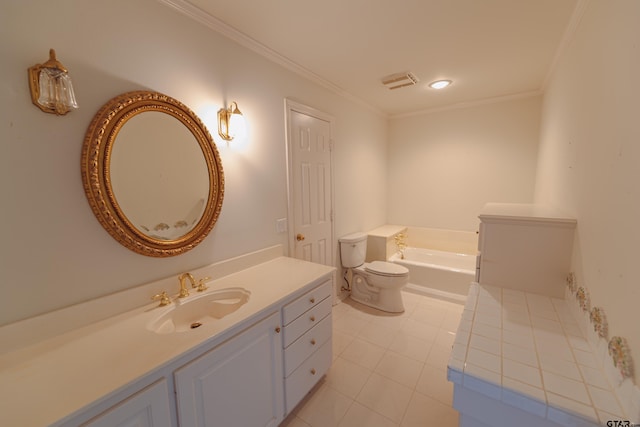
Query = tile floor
x=388 y=370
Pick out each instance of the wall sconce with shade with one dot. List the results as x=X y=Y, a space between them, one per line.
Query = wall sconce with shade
x=51 y=88
x=230 y=122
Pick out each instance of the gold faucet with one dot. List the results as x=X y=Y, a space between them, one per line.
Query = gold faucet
x=201 y=285
x=184 y=292
x=400 y=243
x=163 y=297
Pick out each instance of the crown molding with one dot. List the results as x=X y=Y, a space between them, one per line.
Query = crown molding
x=215 y=24
x=469 y=104
x=210 y=21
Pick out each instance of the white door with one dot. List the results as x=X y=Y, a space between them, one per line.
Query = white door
x=310 y=184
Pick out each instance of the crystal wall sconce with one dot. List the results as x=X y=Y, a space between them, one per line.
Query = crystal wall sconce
x=51 y=88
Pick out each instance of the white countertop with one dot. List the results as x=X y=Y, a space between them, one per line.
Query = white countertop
x=527 y=351
x=50 y=381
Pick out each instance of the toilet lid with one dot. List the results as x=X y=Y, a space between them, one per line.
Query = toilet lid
x=386 y=268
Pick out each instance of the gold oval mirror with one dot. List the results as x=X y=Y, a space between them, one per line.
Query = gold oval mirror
x=152 y=174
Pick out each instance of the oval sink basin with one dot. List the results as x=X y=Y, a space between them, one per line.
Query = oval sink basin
x=199 y=310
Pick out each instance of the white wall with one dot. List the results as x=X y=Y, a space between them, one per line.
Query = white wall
x=444 y=166
x=589 y=162
x=54 y=251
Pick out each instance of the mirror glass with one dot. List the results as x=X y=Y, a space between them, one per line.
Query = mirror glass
x=152 y=174
x=156 y=159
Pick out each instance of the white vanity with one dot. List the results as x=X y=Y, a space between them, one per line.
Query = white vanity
x=248 y=368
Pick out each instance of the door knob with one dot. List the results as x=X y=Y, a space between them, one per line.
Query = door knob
x=300 y=237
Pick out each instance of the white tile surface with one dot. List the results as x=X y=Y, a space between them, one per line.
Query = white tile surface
x=516 y=315
x=527 y=356
x=377 y=334
x=482 y=380
x=429 y=398
x=359 y=415
x=604 y=400
x=372 y=384
x=429 y=314
x=399 y=368
x=521 y=372
x=423 y=331
x=488 y=318
x=433 y=383
x=522 y=337
x=568 y=412
x=445 y=338
x=347 y=377
x=585 y=358
x=560 y=367
x=579 y=343
x=524 y=396
x=385 y=396
x=566 y=387
x=410 y=346
x=486 y=360
x=485 y=344
x=325 y=407
x=594 y=377
x=363 y=353
x=424 y=411
x=547 y=367
x=488 y=331
x=438 y=356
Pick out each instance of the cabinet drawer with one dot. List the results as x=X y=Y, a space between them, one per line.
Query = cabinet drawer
x=298 y=384
x=302 y=348
x=294 y=309
x=309 y=319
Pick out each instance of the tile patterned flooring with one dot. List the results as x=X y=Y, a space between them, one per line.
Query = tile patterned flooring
x=388 y=370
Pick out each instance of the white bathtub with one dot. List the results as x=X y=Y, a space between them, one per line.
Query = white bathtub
x=438 y=273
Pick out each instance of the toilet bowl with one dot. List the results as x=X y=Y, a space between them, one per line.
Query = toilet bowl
x=377 y=284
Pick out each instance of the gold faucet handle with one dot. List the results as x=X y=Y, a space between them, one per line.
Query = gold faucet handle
x=201 y=285
x=163 y=297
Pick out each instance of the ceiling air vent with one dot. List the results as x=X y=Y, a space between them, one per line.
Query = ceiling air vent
x=396 y=81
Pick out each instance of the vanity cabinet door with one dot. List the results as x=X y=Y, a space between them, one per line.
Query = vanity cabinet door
x=238 y=383
x=147 y=408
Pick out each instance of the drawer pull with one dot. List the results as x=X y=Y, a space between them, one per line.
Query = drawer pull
x=312 y=300
x=312 y=318
x=313 y=342
x=313 y=371
x=277 y=329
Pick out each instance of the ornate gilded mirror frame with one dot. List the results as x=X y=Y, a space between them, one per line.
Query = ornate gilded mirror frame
x=96 y=174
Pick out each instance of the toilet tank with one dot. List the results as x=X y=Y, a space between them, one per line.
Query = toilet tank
x=353 y=249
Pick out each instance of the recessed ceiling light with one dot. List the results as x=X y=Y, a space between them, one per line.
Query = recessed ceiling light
x=440 y=84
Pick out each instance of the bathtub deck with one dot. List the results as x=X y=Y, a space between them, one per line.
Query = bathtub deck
x=521 y=359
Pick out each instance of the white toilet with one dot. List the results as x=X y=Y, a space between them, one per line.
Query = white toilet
x=376 y=284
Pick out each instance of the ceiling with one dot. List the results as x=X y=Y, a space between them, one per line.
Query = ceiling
x=490 y=49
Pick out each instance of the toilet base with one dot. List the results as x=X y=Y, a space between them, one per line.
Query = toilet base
x=388 y=300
